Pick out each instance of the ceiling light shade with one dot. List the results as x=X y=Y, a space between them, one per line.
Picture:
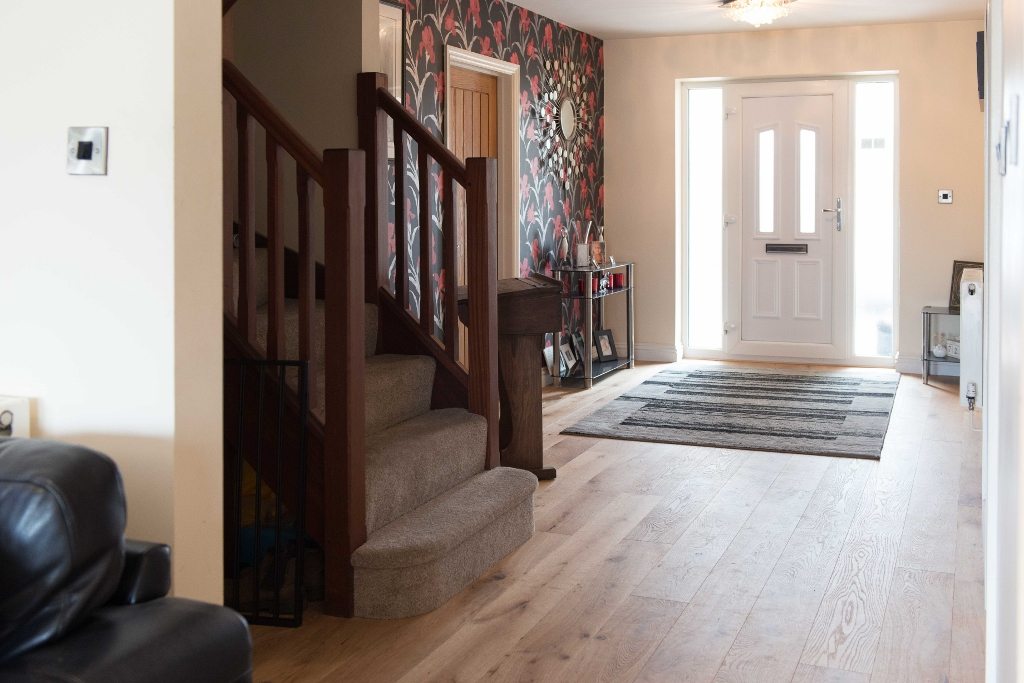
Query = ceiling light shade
x=757 y=12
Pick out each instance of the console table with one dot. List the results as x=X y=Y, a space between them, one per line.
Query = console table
x=579 y=284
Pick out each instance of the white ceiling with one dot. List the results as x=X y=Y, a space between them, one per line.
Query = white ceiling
x=637 y=18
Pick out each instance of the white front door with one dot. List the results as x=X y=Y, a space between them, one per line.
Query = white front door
x=786 y=256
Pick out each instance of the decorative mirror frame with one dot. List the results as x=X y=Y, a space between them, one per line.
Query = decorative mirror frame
x=562 y=83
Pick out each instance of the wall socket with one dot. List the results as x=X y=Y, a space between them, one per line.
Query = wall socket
x=15 y=417
x=945 y=196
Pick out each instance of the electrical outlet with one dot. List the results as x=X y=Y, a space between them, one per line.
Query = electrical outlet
x=15 y=416
x=945 y=196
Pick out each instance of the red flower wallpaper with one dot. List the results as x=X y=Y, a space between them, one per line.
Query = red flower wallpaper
x=495 y=28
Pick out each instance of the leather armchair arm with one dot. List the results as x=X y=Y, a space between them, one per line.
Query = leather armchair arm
x=146 y=575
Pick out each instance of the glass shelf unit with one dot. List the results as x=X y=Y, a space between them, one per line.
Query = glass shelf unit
x=928 y=359
x=578 y=285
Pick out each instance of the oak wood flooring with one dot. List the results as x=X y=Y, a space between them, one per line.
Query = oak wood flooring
x=656 y=562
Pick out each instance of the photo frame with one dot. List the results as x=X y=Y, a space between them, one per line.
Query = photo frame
x=597 y=253
x=549 y=360
x=392 y=55
x=954 y=287
x=579 y=343
x=605 y=342
x=569 y=360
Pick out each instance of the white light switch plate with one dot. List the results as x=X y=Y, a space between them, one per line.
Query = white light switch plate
x=87 y=151
x=15 y=416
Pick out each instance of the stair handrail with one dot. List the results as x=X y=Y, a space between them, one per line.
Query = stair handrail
x=267 y=115
x=479 y=178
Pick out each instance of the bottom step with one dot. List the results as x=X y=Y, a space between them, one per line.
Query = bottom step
x=422 y=559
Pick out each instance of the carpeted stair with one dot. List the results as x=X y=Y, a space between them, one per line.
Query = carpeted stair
x=436 y=519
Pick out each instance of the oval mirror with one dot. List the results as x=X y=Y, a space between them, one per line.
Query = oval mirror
x=567 y=118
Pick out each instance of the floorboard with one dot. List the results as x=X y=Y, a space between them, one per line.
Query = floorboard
x=656 y=562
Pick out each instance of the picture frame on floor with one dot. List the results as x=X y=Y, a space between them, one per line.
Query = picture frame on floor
x=579 y=343
x=605 y=342
x=569 y=360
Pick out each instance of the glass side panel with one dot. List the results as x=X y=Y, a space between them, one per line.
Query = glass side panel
x=766 y=181
x=874 y=216
x=808 y=181
x=704 y=215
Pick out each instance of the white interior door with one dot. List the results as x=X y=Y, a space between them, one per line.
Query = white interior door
x=785 y=185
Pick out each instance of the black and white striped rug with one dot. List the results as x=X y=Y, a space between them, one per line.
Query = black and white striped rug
x=765 y=410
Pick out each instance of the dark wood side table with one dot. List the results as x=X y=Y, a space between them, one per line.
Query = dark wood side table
x=528 y=309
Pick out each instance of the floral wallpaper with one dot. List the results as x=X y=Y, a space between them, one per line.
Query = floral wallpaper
x=547 y=206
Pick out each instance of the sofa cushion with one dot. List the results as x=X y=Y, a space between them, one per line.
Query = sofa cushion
x=62 y=520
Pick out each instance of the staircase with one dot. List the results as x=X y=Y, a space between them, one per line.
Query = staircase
x=405 y=493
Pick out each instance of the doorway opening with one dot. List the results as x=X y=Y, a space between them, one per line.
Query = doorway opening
x=789 y=220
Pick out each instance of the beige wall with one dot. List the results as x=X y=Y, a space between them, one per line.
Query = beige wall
x=111 y=314
x=305 y=60
x=941 y=136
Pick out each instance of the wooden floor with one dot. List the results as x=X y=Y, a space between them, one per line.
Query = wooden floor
x=655 y=562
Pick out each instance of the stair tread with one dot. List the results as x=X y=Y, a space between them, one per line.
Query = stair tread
x=435 y=528
x=414 y=461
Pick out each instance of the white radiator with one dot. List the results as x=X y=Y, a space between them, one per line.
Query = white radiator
x=972 y=311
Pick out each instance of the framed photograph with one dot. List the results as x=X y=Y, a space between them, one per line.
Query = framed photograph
x=549 y=360
x=597 y=256
x=569 y=360
x=605 y=345
x=954 y=289
x=579 y=343
x=392 y=60
x=15 y=417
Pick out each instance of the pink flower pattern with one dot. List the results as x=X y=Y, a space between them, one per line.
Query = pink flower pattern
x=548 y=207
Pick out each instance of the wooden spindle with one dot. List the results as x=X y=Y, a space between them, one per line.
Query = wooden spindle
x=307 y=267
x=482 y=278
x=373 y=139
x=246 y=224
x=345 y=420
x=275 y=257
x=401 y=229
x=426 y=233
x=449 y=255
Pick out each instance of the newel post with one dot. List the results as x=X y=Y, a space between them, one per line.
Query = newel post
x=482 y=279
x=373 y=140
x=344 y=306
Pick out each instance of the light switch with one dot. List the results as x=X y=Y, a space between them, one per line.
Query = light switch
x=87 y=151
x=945 y=196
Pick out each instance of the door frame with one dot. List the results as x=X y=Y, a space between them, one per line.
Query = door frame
x=509 y=117
x=764 y=354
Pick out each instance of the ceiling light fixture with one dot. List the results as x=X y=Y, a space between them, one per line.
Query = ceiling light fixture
x=756 y=12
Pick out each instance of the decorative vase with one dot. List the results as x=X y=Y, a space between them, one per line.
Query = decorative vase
x=939 y=351
x=562 y=250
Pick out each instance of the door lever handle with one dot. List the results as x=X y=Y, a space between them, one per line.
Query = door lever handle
x=838 y=211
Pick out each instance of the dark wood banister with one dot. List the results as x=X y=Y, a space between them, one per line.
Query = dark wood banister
x=260 y=108
x=479 y=177
x=341 y=174
x=424 y=139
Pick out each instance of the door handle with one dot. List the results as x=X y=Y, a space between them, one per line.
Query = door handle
x=838 y=211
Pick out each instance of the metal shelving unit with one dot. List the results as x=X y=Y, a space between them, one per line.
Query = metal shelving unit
x=928 y=359
x=591 y=369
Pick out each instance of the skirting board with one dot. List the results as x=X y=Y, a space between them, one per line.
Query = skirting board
x=912 y=366
x=655 y=353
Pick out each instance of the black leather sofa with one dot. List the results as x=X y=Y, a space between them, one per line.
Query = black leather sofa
x=80 y=603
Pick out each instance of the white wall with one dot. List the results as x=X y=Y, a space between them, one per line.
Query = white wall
x=1004 y=402
x=111 y=320
x=941 y=129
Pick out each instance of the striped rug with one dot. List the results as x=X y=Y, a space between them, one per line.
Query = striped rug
x=765 y=410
